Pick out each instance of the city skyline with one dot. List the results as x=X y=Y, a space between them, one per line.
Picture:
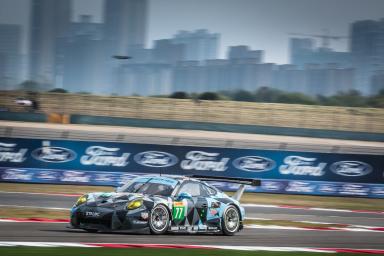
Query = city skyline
x=242 y=22
x=75 y=50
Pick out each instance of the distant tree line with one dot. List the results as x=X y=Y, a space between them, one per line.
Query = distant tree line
x=352 y=98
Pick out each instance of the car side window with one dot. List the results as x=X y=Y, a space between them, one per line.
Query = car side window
x=207 y=191
x=192 y=188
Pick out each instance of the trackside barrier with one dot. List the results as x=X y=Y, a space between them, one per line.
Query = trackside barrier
x=101 y=163
x=330 y=118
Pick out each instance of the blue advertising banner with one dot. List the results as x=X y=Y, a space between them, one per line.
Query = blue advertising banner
x=286 y=171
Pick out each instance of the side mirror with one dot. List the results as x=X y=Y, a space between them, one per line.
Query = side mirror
x=184 y=195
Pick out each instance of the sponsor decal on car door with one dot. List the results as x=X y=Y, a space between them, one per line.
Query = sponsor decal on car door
x=178 y=212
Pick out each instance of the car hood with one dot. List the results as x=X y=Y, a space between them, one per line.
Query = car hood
x=111 y=198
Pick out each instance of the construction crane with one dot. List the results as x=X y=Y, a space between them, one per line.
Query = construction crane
x=326 y=37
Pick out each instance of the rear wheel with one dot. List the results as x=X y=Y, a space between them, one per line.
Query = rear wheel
x=159 y=220
x=230 y=221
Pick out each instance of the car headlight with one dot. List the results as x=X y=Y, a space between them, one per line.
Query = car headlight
x=83 y=199
x=135 y=204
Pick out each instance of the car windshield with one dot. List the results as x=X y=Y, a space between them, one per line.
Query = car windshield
x=150 y=186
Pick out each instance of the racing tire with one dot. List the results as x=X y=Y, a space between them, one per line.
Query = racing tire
x=230 y=222
x=89 y=230
x=159 y=220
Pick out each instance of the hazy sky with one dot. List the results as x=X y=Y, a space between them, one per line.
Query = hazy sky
x=262 y=24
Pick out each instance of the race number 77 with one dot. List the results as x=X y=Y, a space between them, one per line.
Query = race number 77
x=178 y=211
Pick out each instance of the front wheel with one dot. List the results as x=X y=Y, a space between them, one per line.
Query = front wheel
x=230 y=221
x=159 y=220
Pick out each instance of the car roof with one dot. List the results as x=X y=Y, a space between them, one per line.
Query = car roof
x=175 y=179
x=171 y=177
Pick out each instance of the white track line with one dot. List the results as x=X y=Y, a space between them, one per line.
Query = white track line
x=186 y=246
x=311 y=208
x=31 y=221
x=44 y=244
x=41 y=193
x=317 y=222
x=223 y=247
x=269 y=248
x=348 y=229
x=34 y=207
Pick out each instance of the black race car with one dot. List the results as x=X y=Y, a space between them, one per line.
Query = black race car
x=162 y=204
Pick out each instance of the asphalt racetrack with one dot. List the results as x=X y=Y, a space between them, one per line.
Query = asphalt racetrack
x=58 y=232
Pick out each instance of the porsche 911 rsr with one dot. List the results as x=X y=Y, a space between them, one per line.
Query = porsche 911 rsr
x=162 y=204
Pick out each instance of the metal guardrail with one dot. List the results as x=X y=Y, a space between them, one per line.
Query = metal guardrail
x=137 y=137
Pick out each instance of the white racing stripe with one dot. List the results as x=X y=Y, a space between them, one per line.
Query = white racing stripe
x=254 y=226
x=256 y=218
x=350 y=229
x=261 y=205
x=311 y=208
x=188 y=246
x=45 y=244
x=316 y=222
x=31 y=221
x=268 y=248
x=329 y=210
x=40 y=193
x=223 y=247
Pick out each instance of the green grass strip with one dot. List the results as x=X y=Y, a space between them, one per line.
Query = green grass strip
x=72 y=251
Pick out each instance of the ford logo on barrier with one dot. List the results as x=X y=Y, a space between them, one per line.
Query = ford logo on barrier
x=8 y=153
x=155 y=159
x=17 y=174
x=53 y=154
x=47 y=175
x=272 y=185
x=327 y=188
x=254 y=163
x=75 y=176
x=351 y=168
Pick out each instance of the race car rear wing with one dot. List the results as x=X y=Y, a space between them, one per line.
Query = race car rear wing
x=245 y=181
x=242 y=181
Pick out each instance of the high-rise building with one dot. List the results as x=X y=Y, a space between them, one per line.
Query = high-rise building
x=289 y=78
x=243 y=52
x=188 y=76
x=10 y=56
x=300 y=48
x=219 y=75
x=165 y=51
x=124 y=33
x=50 y=21
x=199 y=45
x=125 y=26
x=377 y=82
x=145 y=79
x=83 y=58
x=367 y=48
x=86 y=26
x=328 y=81
x=303 y=52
